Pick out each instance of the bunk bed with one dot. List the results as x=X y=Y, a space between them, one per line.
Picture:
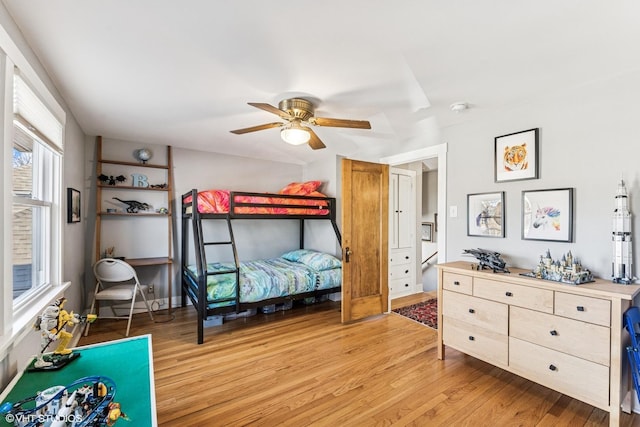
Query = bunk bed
x=218 y=288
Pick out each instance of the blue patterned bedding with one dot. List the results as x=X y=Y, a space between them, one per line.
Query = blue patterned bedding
x=264 y=279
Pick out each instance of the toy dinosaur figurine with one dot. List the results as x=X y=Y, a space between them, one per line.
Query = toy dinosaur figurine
x=134 y=206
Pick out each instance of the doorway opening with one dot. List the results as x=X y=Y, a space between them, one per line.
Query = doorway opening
x=434 y=165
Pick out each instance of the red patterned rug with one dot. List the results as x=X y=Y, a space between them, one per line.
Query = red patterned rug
x=424 y=312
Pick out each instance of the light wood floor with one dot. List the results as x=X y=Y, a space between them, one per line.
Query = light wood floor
x=303 y=367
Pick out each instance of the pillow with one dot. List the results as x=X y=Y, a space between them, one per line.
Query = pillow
x=313 y=259
x=301 y=188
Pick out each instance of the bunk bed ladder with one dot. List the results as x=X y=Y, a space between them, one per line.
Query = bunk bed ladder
x=232 y=242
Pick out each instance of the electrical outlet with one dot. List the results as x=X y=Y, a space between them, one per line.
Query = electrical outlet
x=151 y=288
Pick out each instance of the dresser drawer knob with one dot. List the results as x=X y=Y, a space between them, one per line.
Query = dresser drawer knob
x=553 y=332
x=552 y=368
x=456 y=283
x=509 y=294
x=471 y=310
x=580 y=308
x=471 y=338
x=406 y=285
x=406 y=257
x=406 y=271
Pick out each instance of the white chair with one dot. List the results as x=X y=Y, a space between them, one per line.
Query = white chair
x=117 y=281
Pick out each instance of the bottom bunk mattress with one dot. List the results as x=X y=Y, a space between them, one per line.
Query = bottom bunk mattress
x=264 y=279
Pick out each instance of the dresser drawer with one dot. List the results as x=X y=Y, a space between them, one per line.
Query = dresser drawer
x=400 y=285
x=567 y=374
x=457 y=282
x=587 y=309
x=486 y=314
x=399 y=271
x=584 y=340
x=476 y=341
x=508 y=293
x=400 y=257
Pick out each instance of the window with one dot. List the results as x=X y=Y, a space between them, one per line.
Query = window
x=31 y=210
x=33 y=189
x=36 y=188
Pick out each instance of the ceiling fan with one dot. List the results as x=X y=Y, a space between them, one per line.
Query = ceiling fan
x=298 y=113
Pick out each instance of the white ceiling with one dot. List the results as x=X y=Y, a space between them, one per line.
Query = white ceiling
x=182 y=72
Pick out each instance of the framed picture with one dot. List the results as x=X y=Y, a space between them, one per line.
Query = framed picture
x=548 y=215
x=427 y=231
x=485 y=214
x=73 y=205
x=516 y=156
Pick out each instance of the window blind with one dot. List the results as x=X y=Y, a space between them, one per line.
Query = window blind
x=34 y=114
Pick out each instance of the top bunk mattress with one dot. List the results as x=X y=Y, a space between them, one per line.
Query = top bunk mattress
x=294 y=199
x=220 y=201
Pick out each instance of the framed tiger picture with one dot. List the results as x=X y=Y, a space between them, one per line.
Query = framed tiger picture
x=516 y=156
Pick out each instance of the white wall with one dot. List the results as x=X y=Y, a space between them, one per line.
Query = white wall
x=589 y=139
x=320 y=234
x=255 y=239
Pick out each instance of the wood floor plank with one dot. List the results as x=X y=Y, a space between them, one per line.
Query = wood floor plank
x=303 y=367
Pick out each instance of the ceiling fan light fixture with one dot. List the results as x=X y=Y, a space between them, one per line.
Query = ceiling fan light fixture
x=295 y=134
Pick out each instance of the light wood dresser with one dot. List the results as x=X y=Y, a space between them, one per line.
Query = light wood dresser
x=565 y=337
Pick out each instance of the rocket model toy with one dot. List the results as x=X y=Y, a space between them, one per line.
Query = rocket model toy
x=622 y=266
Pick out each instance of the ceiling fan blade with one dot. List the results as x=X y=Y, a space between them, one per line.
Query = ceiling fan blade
x=341 y=123
x=271 y=109
x=257 y=128
x=314 y=141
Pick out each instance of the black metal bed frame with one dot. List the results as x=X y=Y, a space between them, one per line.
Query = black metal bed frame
x=194 y=286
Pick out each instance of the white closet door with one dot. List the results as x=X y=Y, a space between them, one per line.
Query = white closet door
x=405 y=225
x=393 y=217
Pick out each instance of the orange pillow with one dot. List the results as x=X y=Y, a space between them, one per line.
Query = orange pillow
x=301 y=188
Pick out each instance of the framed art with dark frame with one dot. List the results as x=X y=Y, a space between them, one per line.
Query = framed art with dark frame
x=73 y=205
x=427 y=231
x=516 y=156
x=485 y=214
x=548 y=215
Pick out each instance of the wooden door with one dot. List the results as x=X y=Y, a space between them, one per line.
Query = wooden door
x=365 y=225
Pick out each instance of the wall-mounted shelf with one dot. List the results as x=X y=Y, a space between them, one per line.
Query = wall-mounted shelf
x=129 y=187
x=131 y=214
x=101 y=213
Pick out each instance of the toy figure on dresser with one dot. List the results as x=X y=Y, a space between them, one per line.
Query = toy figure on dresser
x=622 y=239
x=134 y=206
x=52 y=324
x=567 y=270
x=488 y=259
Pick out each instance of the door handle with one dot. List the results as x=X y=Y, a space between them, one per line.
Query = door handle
x=347 y=254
